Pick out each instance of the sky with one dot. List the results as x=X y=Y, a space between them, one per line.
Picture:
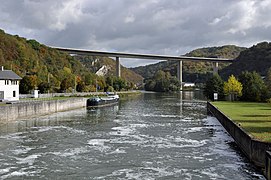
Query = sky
x=166 y=27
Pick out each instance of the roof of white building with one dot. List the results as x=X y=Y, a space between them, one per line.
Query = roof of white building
x=9 y=75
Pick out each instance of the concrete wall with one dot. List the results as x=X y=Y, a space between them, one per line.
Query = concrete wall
x=268 y=165
x=255 y=150
x=15 y=111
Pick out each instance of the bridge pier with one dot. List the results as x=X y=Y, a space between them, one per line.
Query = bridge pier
x=215 y=68
x=180 y=73
x=118 y=72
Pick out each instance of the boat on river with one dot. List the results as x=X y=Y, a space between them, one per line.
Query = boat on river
x=102 y=101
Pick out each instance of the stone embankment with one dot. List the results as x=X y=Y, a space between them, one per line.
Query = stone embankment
x=256 y=151
x=39 y=107
x=11 y=112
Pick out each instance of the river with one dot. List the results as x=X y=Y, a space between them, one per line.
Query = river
x=150 y=136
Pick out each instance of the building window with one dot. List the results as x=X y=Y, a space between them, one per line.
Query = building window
x=14 y=93
x=6 y=82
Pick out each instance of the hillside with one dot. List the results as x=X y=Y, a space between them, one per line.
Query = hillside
x=28 y=57
x=41 y=64
x=105 y=66
x=257 y=58
x=192 y=71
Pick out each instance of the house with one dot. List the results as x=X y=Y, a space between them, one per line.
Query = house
x=9 y=85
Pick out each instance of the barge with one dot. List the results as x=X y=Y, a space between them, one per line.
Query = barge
x=102 y=101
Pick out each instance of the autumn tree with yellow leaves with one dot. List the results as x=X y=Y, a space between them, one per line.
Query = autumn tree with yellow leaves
x=233 y=88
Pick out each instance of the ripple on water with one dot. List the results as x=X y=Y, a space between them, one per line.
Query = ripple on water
x=99 y=144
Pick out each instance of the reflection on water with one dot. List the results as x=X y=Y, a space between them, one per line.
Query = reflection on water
x=152 y=136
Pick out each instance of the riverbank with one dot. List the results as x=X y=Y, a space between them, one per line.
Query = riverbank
x=31 y=107
x=254 y=149
x=18 y=110
x=254 y=118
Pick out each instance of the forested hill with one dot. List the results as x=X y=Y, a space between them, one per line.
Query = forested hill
x=257 y=58
x=43 y=64
x=193 y=71
x=28 y=57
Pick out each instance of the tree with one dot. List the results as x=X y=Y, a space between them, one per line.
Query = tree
x=150 y=84
x=268 y=80
x=81 y=87
x=44 y=87
x=119 y=84
x=162 y=82
x=27 y=84
x=233 y=88
x=66 y=84
x=254 y=88
x=214 y=85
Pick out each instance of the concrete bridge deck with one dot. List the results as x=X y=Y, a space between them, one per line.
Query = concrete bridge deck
x=119 y=55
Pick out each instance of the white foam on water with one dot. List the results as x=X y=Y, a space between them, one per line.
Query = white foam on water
x=19 y=136
x=160 y=172
x=121 y=131
x=28 y=160
x=45 y=128
x=21 y=172
x=211 y=174
x=193 y=129
x=160 y=115
x=183 y=172
x=139 y=125
x=118 y=151
x=15 y=173
x=150 y=173
x=4 y=171
x=21 y=150
x=99 y=144
x=127 y=140
x=71 y=152
x=77 y=131
x=199 y=158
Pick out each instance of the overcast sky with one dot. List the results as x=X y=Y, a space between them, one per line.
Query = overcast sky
x=171 y=27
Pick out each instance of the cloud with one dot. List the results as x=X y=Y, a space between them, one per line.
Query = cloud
x=155 y=26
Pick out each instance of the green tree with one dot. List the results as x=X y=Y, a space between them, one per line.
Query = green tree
x=81 y=87
x=119 y=84
x=149 y=85
x=66 y=84
x=109 y=81
x=268 y=80
x=35 y=45
x=162 y=82
x=44 y=87
x=233 y=88
x=27 y=84
x=214 y=85
x=254 y=88
x=89 y=79
x=24 y=87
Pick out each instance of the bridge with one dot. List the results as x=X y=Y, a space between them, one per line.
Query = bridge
x=119 y=55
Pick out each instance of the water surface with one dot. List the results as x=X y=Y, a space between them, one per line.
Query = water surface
x=151 y=136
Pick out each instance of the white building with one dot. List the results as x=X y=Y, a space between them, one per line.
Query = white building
x=188 y=84
x=9 y=85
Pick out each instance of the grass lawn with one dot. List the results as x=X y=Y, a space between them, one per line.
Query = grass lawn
x=255 y=118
